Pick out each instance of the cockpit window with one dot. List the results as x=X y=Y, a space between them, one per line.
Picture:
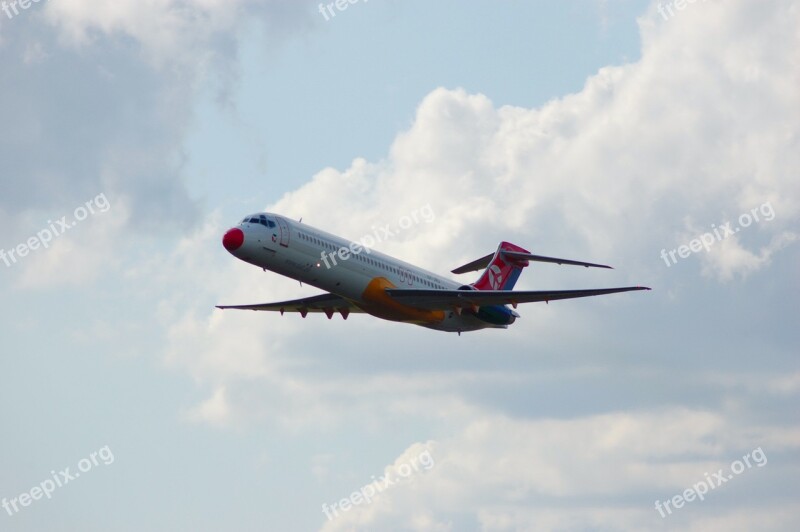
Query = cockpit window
x=259 y=219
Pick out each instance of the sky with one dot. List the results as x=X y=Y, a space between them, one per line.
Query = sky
x=662 y=138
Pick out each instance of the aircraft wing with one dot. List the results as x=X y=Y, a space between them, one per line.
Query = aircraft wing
x=447 y=299
x=327 y=303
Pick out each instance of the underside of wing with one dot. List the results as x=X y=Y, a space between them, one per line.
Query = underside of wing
x=327 y=303
x=447 y=299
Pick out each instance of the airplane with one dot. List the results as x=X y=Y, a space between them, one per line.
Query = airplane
x=358 y=279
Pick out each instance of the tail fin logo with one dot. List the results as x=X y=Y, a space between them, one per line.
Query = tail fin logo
x=495 y=276
x=502 y=272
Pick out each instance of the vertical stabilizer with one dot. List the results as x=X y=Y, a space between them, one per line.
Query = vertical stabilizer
x=503 y=271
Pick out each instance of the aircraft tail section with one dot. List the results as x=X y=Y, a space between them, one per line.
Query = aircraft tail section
x=504 y=269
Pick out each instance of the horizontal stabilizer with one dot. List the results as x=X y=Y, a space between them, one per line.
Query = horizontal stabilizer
x=475 y=265
x=540 y=258
x=483 y=262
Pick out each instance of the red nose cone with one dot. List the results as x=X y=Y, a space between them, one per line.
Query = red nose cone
x=233 y=239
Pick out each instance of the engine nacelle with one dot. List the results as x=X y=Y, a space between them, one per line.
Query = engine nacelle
x=494 y=314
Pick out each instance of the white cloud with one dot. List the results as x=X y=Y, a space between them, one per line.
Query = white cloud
x=696 y=128
x=731 y=258
x=588 y=173
x=77 y=255
x=169 y=31
x=103 y=94
x=215 y=410
x=594 y=472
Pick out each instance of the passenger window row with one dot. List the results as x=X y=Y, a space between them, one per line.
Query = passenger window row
x=358 y=256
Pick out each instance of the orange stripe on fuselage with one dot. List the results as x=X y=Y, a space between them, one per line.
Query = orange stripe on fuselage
x=378 y=303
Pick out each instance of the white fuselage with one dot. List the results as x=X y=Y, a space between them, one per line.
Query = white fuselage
x=347 y=269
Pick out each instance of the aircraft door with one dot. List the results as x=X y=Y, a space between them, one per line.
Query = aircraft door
x=284 y=227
